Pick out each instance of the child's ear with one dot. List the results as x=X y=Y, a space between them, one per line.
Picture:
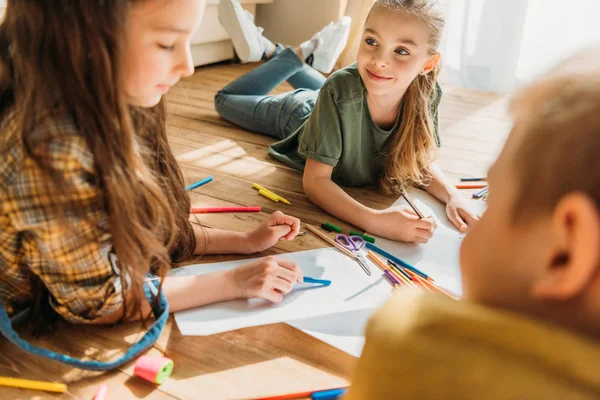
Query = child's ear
x=575 y=256
x=431 y=63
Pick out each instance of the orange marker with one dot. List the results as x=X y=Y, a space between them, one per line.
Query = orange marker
x=471 y=186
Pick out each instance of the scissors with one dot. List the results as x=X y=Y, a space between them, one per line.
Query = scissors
x=354 y=244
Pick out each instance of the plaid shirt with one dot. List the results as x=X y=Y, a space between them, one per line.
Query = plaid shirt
x=73 y=260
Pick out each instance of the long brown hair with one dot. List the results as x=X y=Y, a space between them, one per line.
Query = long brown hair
x=413 y=147
x=67 y=54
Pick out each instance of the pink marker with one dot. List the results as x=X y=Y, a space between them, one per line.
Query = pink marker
x=203 y=210
x=102 y=393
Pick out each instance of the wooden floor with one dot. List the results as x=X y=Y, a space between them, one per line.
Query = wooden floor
x=255 y=361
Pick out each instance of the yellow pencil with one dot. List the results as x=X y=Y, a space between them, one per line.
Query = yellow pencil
x=257 y=186
x=330 y=241
x=33 y=385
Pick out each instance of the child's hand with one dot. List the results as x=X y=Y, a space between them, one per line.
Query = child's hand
x=278 y=227
x=269 y=278
x=402 y=224
x=459 y=213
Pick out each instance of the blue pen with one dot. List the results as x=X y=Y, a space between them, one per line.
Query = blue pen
x=323 y=282
x=396 y=259
x=199 y=183
x=328 y=394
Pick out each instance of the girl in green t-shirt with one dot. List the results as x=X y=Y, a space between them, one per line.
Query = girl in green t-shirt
x=373 y=122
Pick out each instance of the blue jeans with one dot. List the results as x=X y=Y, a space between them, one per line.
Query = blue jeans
x=246 y=101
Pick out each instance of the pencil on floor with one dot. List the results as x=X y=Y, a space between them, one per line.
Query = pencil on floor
x=471 y=185
x=33 y=385
x=473 y=179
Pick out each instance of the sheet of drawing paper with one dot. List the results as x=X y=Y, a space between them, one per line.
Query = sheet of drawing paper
x=351 y=289
x=439 y=258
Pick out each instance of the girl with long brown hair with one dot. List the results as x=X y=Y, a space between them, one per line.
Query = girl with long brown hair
x=373 y=122
x=93 y=205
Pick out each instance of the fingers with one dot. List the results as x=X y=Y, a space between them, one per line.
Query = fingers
x=271 y=294
x=408 y=213
x=456 y=219
x=468 y=217
x=294 y=268
x=280 y=218
x=428 y=223
x=281 y=231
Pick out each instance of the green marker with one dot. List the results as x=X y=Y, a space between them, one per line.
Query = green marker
x=362 y=235
x=331 y=227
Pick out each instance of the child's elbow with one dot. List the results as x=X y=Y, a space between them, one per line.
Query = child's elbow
x=309 y=184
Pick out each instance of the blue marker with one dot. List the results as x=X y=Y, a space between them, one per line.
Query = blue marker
x=323 y=282
x=199 y=183
x=328 y=394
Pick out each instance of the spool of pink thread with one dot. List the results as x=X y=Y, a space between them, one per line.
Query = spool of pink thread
x=154 y=369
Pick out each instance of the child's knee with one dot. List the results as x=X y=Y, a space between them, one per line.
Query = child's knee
x=219 y=101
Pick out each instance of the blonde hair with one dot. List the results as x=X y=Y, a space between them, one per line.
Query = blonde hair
x=413 y=147
x=559 y=121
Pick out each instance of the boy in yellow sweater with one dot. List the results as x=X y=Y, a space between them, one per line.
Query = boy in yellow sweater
x=528 y=326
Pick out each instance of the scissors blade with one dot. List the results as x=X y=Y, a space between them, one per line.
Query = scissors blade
x=363 y=263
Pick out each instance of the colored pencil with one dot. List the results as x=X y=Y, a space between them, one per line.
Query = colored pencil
x=473 y=179
x=402 y=276
x=199 y=183
x=330 y=241
x=399 y=269
x=392 y=277
x=389 y=272
x=429 y=284
x=202 y=210
x=471 y=185
x=33 y=385
x=398 y=261
x=315 y=394
x=481 y=193
x=376 y=260
x=412 y=204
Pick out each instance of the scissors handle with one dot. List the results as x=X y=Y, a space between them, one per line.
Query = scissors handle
x=358 y=241
x=352 y=243
x=345 y=242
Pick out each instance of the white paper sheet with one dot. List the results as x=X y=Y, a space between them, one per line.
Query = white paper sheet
x=337 y=314
x=439 y=258
x=351 y=289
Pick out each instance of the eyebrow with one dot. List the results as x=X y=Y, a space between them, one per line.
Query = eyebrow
x=406 y=41
x=173 y=29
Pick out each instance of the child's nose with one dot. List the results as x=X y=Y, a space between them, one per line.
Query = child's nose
x=186 y=66
x=380 y=60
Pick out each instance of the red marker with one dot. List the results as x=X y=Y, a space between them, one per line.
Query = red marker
x=203 y=210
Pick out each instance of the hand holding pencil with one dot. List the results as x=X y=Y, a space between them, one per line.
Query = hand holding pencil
x=403 y=224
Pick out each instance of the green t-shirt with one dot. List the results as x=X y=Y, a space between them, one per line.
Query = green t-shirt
x=340 y=132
